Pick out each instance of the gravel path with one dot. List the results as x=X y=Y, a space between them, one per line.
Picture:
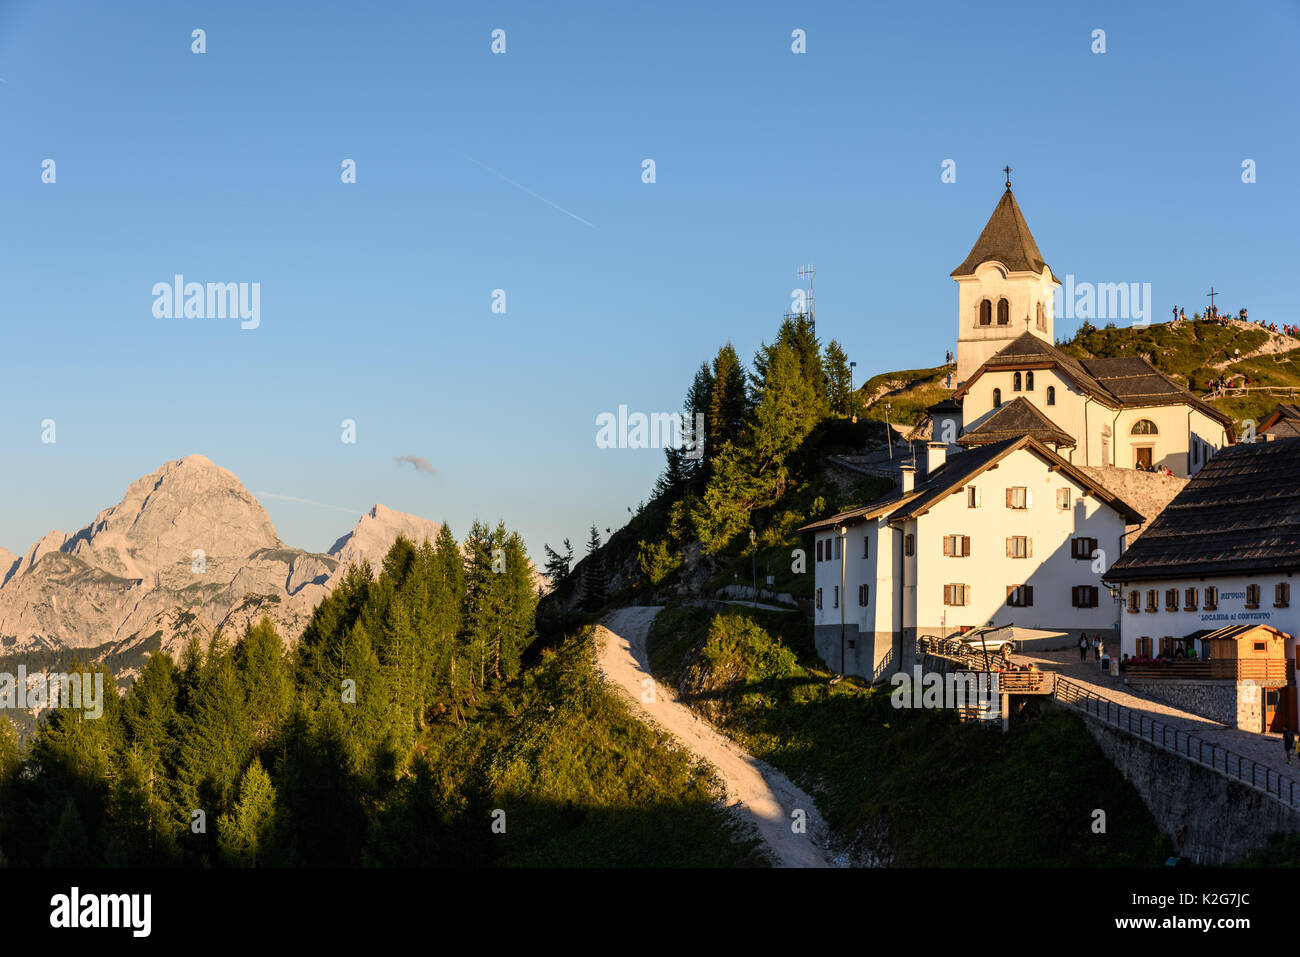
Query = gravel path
x=759 y=793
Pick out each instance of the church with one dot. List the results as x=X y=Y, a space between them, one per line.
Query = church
x=1012 y=379
x=1010 y=523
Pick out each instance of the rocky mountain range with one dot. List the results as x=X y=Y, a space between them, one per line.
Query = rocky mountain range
x=187 y=550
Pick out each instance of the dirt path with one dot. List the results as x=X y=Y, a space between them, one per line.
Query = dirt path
x=761 y=795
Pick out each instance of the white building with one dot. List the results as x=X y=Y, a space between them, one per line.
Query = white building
x=1225 y=551
x=1119 y=411
x=1007 y=533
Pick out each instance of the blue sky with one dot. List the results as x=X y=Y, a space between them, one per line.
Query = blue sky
x=376 y=296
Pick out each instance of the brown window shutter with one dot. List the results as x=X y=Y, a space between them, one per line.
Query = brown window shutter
x=1029 y=595
x=1011 y=550
x=965 y=545
x=947 y=594
x=1029 y=547
x=1009 y=499
x=947 y=545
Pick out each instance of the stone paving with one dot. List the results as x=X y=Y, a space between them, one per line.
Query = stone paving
x=1264 y=748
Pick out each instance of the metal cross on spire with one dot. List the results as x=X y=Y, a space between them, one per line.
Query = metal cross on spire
x=1007 y=170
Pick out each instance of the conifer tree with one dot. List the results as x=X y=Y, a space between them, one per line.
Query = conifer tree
x=244 y=831
x=557 y=565
x=593 y=573
x=839 y=379
x=728 y=401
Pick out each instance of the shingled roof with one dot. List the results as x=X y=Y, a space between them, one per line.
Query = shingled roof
x=1238 y=515
x=1127 y=381
x=1006 y=239
x=1016 y=418
x=955 y=472
x=1283 y=422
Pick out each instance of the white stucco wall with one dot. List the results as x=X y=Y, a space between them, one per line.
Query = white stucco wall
x=1022 y=290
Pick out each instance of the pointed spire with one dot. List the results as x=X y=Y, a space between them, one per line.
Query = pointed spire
x=1006 y=239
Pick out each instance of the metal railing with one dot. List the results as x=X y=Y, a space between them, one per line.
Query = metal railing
x=1194 y=748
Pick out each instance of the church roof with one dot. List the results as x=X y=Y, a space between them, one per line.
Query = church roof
x=955 y=472
x=1006 y=239
x=1016 y=418
x=1128 y=381
x=1239 y=514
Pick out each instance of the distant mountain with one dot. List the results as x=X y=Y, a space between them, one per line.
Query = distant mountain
x=187 y=550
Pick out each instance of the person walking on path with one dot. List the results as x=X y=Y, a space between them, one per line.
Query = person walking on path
x=1083 y=646
x=1096 y=647
x=1288 y=742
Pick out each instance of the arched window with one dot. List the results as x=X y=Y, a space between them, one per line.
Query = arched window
x=1004 y=312
x=1029 y=381
x=1144 y=427
x=1015 y=382
x=997 y=398
x=1042 y=317
x=986 y=313
x=1051 y=395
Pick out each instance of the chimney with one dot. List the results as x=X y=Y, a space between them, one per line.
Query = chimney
x=908 y=478
x=936 y=455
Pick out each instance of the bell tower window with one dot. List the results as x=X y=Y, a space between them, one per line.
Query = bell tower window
x=986 y=313
x=1042 y=317
x=1015 y=382
x=1004 y=312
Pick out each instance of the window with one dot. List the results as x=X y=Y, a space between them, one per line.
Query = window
x=1189 y=599
x=1015 y=382
x=866 y=547
x=1019 y=546
x=1252 y=596
x=986 y=313
x=1004 y=312
x=1144 y=427
x=819 y=599
x=1261 y=646
x=909 y=545
x=1017 y=497
x=1051 y=395
x=1281 y=594
x=1167 y=646
x=956 y=546
x=1063 y=498
x=1029 y=381
x=972 y=497
x=1211 y=598
x=837 y=542
x=1171 y=599
x=1084 y=596
x=1082 y=548
x=997 y=398
x=1042 y=317
x=1151 y=600
x=837 y=597
x=1020 y=596
x=955 y=594
x=1134 y=601
x=1144 y=647
x=820 y=544
x=864 y=593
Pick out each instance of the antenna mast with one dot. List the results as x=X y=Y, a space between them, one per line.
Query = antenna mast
x=806 y=272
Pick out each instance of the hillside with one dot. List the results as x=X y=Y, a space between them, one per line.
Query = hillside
x=1194 y=353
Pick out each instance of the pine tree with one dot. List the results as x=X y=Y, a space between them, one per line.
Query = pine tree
x=557 y=565
x=728 y=401
x=839 y=379
x=593 y=573
x=245 y=829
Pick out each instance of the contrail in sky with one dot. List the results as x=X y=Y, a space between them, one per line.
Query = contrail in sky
x=528 y=191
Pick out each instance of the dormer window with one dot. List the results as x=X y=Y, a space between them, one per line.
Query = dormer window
x=1015 y=382
x=986 y=313
x=1004 y=312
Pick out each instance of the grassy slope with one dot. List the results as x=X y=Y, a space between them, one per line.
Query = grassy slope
x=951 y=794
x=1185 y=351
x=583 y=782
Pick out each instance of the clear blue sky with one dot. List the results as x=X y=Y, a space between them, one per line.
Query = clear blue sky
x=376 y=296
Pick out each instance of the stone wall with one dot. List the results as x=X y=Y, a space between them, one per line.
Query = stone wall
x=1211 y=819
x=1216 y=700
